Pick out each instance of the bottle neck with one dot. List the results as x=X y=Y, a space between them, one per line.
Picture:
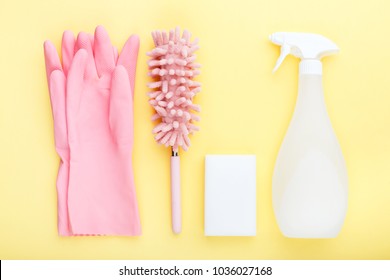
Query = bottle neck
x=310 y=67
x=311 y=99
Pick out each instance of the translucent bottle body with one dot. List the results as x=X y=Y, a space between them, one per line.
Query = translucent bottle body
x=310 y=184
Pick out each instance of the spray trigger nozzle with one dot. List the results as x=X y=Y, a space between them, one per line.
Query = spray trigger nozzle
x=306 y=46
x=285 y=50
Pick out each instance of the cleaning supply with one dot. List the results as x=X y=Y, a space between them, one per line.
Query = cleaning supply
x=310 y=184
x=173 y=68
x=230 y=195
x=91 y=96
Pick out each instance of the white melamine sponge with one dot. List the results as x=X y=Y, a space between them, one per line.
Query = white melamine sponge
x=230 y=195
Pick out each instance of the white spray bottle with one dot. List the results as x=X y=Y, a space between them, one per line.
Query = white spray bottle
x=310 y=184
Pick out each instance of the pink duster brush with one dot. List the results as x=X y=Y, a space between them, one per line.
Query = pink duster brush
x=172 y=65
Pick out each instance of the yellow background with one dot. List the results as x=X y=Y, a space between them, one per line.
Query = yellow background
x=245 y=109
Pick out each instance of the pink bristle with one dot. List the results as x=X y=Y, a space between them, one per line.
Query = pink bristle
x=186 y=36
x=154 y=38
x=153 y=102
x=154 y=85
x=184 y=51
x=187 y=116
x=162 y=103
x=165 y=86
x=173 y=138
x=184 y=128
x=195 y=117
x=180 y=101
x=177 y=34
x=168 y=119
x=180 y=62
x=165 y=138
x=155 y=71
x=153 y=94
x=178 y=72
x=193 y=49
x=171 y=35
x=163 y=62
x=155 y=117
x=158 y=128
x=193 y=127
x=190 y=94
x=171 y=47
x=195 y=107
x=191 y=58
x=170 y=105
x=165 y=38
x=160 y=96
x=185 y=103
x=159 y=38
x=194 y=65
x=157 y=52
x=167 y=127
x=180 y=89
x=196 y=90
x=172 y=65
x=169 y=95
x=153 y=62
x=180 y=140
x=162 y=72
x=161 y=111
x=159 y=136
x=186 y=140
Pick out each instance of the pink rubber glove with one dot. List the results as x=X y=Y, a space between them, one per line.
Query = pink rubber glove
x=96 y=124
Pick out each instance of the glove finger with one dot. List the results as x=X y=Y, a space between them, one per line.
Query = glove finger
x=128 y=58
x=121 y=107
x=74 y=89
x=68 y=43
x=104 y=57
x=52 y=60
x=92 y=39
x=58 y=105
x=84 y=42
x=115 y=51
